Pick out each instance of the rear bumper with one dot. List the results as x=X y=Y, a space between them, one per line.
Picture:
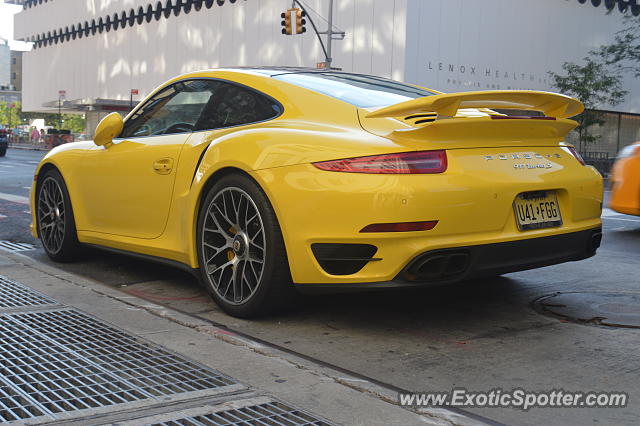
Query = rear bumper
x=472 y=202
x=484 y=260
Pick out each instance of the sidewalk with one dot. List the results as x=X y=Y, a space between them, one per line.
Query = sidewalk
x=29 y=146
x=129 y=361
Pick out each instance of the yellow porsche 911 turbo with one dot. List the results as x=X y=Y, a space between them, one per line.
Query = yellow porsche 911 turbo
x=265 y=181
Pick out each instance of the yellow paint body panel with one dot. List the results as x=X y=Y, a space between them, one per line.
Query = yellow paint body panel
x=120 y=201
x=472 y=204
x=625 y=184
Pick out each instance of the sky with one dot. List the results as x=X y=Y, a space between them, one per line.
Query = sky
x=6 y=25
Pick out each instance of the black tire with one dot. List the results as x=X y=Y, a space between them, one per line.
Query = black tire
x=3 y=152
x=55 y=220
x=273 y=289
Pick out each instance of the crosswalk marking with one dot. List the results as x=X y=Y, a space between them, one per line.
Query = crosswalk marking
x=18 y=163
x=14 y=198
x=2 y=216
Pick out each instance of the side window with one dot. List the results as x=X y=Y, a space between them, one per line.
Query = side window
x=174 y=109
x=234 y=105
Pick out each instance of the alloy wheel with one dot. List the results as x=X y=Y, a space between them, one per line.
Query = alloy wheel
x=51 y=215
x=233 y=245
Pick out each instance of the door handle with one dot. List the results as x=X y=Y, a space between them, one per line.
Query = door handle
x=163 y=166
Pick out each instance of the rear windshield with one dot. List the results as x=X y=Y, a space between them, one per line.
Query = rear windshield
x=363 y=91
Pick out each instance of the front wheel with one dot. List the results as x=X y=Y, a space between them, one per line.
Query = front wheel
x=242 y=257
x=3 y=152
x=56 y=224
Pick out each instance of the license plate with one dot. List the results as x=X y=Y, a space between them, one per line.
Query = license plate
x=535 y=210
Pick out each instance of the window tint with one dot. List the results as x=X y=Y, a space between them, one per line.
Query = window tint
x=363 y=91
x=199 y=105
x=175 y=109
x=233 y=105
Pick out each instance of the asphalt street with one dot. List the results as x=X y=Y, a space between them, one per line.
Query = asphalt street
x=478 y=335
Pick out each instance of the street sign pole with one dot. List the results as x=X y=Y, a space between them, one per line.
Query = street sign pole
x=133 y=92
x=330 y=33
x=61 y=95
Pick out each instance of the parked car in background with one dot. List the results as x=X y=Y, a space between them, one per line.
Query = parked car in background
x=625 y=181
x=4 y=142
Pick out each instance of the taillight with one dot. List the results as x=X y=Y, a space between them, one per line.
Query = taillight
x=421 y=162
x=577 y=155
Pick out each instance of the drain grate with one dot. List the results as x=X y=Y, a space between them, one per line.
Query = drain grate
x=15 y=247
x=14 y=406
x=14 y=295
x=64 y=360
x=269 y=413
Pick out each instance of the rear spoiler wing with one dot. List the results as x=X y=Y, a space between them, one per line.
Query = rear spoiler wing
x=447 y=105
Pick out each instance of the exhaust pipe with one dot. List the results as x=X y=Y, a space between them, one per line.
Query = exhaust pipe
x=438 y=266
x=595 y=241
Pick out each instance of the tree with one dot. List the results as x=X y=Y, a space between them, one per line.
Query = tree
x=10 y=115
x=623 y=54
x=596 y=86
x=76 y=123
x=73 y=122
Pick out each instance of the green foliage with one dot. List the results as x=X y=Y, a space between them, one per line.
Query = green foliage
x=74 y=122
x=596 y=86
x=10 y=116
x=623 y=54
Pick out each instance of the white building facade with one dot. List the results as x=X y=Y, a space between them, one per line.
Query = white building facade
x=5 y=64
x=96 y=51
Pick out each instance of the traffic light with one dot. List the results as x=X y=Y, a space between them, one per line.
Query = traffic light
x=286 y=22
x=289 y=26
x=300 y=21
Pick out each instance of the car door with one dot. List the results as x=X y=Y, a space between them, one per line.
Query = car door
x=127 y=187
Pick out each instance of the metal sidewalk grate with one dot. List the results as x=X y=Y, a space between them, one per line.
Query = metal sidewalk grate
x=62 y=361
x=14 y=295
x=269 y=413
x=14 y=406
x=15 y=247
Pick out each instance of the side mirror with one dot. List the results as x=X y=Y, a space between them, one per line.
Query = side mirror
x=108 y=128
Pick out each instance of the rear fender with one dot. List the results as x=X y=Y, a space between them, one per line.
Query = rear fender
x=266 y=148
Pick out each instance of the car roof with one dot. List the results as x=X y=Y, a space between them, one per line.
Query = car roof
x=271 y=71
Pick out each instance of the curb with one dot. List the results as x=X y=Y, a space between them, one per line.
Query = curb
x=324 y=372
x=28 y=148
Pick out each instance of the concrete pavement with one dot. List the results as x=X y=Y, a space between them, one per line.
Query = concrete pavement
x=268 y=372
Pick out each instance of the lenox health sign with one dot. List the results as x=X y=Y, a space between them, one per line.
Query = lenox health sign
x=458 y=45
x=479 y=78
